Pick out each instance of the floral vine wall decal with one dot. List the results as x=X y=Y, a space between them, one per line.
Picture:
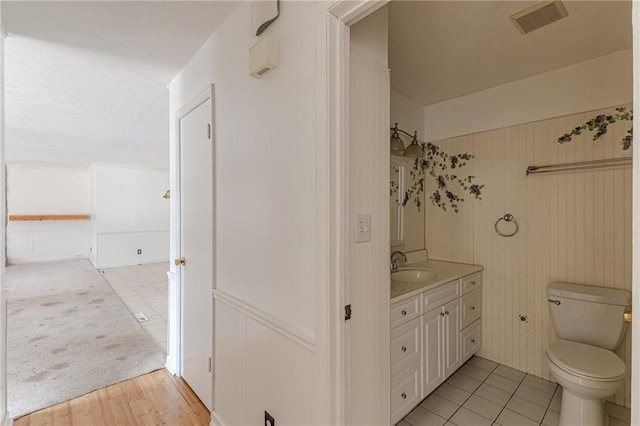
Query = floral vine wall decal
x=445 y=171
x=599 y=124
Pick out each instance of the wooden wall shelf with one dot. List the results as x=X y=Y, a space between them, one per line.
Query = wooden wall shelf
x=43 y=217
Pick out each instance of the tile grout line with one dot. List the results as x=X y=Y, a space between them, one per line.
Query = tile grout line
x=471 y=393
x=511 y=397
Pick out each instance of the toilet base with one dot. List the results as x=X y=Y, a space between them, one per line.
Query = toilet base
x=576 y=411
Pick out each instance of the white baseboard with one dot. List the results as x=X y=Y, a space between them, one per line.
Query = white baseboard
x=216 y=420
x=141 y=261
x=14 y=261
x=171 y=365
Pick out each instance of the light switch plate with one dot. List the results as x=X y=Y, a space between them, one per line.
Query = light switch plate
x=363 y=228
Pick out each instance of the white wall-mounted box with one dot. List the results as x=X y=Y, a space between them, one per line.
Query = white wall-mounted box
x=264 y=57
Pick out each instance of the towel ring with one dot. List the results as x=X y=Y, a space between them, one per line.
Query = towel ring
x=507 y=218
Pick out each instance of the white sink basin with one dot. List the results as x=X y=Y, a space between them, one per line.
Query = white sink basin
x=413 y=275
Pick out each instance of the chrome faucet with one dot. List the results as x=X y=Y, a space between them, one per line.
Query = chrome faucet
x=394 y=260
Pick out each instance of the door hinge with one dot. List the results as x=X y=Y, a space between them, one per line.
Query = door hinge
x=347 y=312
x=209 y=130
x=209 y=364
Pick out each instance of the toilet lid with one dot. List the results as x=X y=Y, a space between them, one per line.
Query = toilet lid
x=586 y=360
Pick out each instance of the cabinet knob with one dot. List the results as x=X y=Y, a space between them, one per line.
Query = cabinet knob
x=473 y=340
x=473 y=283
x=404 y=395
x=404 y=312
x=473 y=308
x=441 y=314
x=446 y=312
x=403 y=349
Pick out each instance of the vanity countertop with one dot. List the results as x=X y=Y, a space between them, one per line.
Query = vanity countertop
x=445 y=272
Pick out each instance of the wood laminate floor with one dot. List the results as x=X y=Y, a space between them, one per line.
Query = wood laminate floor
x=156 y=398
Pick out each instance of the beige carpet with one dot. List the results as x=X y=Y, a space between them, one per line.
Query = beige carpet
x=69 y=334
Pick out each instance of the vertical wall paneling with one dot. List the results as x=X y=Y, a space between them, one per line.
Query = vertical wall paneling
x=369 y=262
x=269 y=366
x=574 y=226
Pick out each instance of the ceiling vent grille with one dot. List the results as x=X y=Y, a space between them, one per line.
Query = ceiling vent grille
x=539 y=15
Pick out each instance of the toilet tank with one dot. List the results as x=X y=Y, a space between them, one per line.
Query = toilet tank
x=589 y=314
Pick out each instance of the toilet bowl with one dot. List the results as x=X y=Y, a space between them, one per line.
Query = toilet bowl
x=588 y=375
x=590 y=322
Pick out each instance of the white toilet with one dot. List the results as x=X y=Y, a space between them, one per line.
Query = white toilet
x=590 y=324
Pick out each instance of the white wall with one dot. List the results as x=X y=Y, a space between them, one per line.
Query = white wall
x=128 y=213
x=266 y=212
x=604 y=81
x=574 y=227
x=33 y=190
x=370 y=36
x=409 y=115
x=47 y=190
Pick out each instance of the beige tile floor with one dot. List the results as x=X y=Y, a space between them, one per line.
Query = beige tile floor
x=483 y=392
x=143 y=289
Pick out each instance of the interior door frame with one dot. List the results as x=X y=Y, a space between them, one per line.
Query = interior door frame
x=333 y=47
x=333 y=43
x=175 y=320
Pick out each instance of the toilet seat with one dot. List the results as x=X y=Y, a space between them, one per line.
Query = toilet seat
x=586 y=361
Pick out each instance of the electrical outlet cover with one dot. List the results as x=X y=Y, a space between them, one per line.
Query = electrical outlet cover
x=363 y=228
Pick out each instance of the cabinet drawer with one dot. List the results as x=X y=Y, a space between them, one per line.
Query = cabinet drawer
x=471 y=307
x=405 y=346
x=440 y=295
x=405 y=311
x=471 y=282
x=405 y=392
x=470 y=340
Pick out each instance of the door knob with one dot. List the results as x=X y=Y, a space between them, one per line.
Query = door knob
x=181 y=261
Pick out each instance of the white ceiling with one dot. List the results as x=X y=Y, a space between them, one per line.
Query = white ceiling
x=87 y=81
x=440 y=50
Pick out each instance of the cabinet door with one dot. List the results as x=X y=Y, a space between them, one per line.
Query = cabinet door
x=432 y=371
x=451 y=337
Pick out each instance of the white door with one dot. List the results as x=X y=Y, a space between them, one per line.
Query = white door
x=196 y=248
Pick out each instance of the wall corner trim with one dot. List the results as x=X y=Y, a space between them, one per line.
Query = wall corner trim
x=171 y=365
x=351 y=12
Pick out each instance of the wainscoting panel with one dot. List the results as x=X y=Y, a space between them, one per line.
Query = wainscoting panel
x=574 y=226
x=47 y=241
x=120 y=248
x=259 y=366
